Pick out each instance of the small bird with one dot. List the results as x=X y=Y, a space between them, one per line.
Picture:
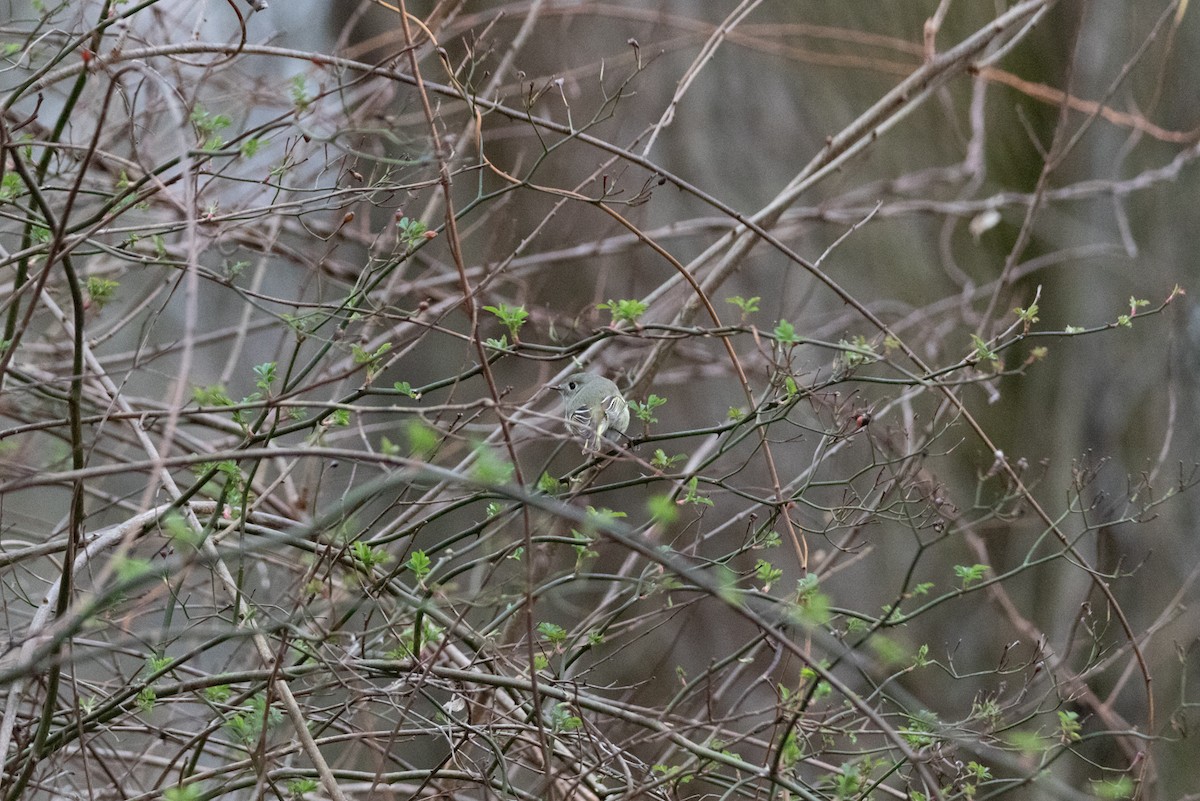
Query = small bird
x=593 y=407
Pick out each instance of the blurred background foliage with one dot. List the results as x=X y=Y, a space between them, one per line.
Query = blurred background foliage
x=304 y=426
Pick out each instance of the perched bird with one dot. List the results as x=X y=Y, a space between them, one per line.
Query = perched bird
x=593 y=407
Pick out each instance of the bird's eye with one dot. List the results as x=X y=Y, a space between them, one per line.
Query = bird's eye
x=571 y=385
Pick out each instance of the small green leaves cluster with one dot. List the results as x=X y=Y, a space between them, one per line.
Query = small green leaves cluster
x=1070 y=730
x=297 y=788
x=982 y=350
x=179 y=532
x=987 y=711
x=431 y=635
x=661 y=461
x=362 y=356
x=218 y=693
x=372 y=359
x=145 y=699
x=975 y=773
x=692 y=496
x=10 y=186
x=747 y=305
x=1027 y=742
x=561 y=719
x=366 y=556
x=851 y=780
x=419 y=564
x=767 y=573
x=969 y=574
x=490 y=467
x=412 y=232
x=1126 y=320
x=423 y=440
x=265 y=374
x=100 y=290
x=662 y=508
x=924 y=588
x=188 y=792
x=785 y=333
x=1027 y=316
x=1114 y=789
x=299 y=91
x=766 y=538
x=888 y=651
x=124 y=201
x=234 y=269
x=214 y=395
x=645 y=411
x=498 y=343
x=604 y=514
x=921 y=729
x=673 y=772
x=922 y=658
x=405 y=388
x=549 y=484
x=628 y=311
x=552 y=633
x=156 y=664
x=791 y=752
x=235 y=482
x=250 y=146
x=583 y=548
x=811 y=605
x=247 y=725
x=207 y=127
x=211 y=396
x=511 y=317
x=857 y=351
